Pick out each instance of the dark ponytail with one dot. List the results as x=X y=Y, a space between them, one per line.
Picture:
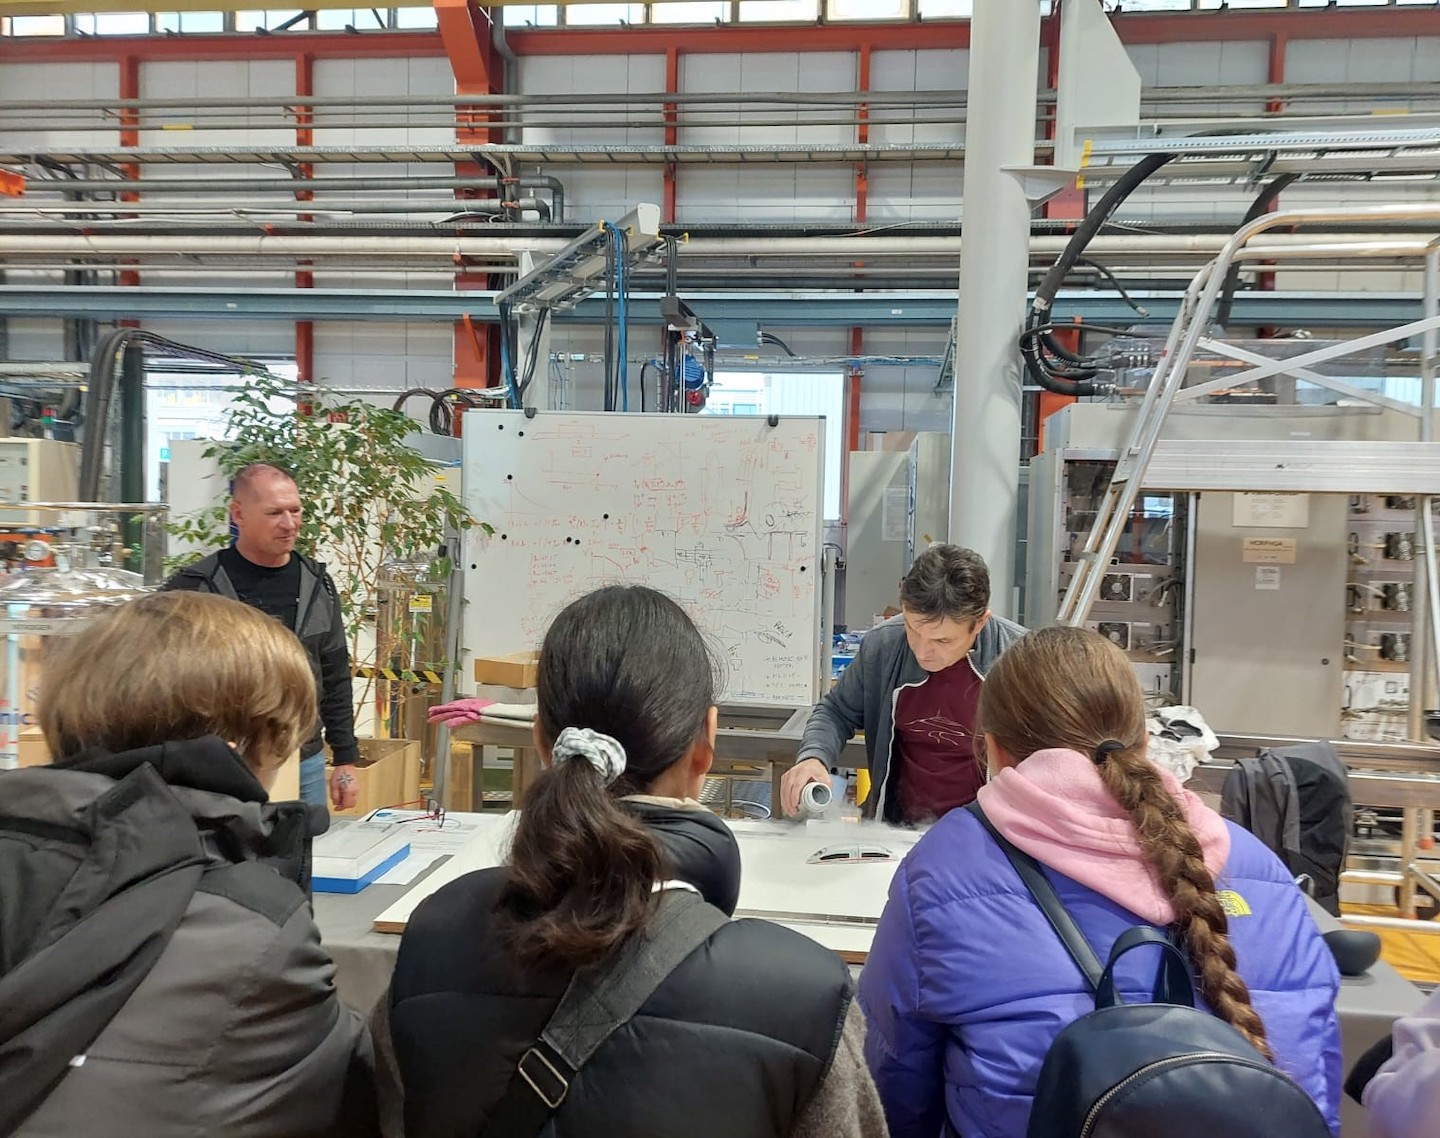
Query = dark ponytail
x=625 y=661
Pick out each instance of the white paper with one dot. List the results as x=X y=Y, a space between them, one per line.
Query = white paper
x=1272 y=511
x=430 y=834
x=409 y=869
x=1267 y=577
x=894 y=513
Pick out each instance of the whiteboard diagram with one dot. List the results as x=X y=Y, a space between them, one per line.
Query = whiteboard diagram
x=723 y=514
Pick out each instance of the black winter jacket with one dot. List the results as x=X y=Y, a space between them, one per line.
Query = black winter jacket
x=734 y=1043
x=160 y=970
x=321 y=629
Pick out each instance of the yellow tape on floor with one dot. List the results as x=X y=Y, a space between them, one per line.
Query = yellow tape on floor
x=1416 y=956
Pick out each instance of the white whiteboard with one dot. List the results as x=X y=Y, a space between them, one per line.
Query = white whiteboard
x=723 y=514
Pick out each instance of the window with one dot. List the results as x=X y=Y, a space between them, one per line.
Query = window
x=416 y=18
x=867 y=9
x=190 y=402
x=540 y=15
x=122 y=24
x=946 y=9
x=35 y=26
x=790 y=393
x=691 y=13
x=1158 y=5
x=252 y=21
x=604 y=13
x=189 y=21
x=797 y=10
x=337 y=19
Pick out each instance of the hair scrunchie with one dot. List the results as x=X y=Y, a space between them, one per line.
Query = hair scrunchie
x=1106 y=749
x=602 y=752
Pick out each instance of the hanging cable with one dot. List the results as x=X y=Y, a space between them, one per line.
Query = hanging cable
x=1074 y=377
x=623 y=287
x=507 y=362
x=609 y=360
x=1258 y=208
x=645 y=364
x=1114 y=281
x=765 y=337
x=532 y=355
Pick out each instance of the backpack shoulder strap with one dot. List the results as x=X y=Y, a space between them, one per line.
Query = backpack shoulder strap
x=1049 y=901
x=598 y=1003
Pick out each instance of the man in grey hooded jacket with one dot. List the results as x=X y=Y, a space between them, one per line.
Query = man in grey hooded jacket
x=913 y=688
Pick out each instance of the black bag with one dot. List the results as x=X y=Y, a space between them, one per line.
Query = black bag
x=595 y=1005
x=1164 y=1068
x=1297 y=801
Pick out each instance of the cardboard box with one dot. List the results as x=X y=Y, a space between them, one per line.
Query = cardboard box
x=517 y=671
x=389 y=774
x=33 y=751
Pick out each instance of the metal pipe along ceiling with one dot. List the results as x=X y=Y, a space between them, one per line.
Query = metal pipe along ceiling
x=344 y=245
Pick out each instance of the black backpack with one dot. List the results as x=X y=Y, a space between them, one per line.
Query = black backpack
x=1163 y=1068
x=1297 y=801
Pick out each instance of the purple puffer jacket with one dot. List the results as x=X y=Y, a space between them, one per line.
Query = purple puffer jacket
x=967 y=985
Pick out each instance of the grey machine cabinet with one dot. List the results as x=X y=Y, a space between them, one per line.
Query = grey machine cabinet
x=1266 y=639
x=1254 y=636
x=899 y=502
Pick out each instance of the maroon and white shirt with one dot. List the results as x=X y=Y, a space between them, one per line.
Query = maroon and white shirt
x=935 y=743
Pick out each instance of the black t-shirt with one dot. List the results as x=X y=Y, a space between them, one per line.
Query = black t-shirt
x=275 y=592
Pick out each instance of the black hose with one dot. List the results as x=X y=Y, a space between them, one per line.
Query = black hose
x=610 y=396
x=1114 y=281
x=1085 y=232
x=771 y=338
x=1078 y=381
x=643 y=366
x=532 y=355
x=104 y=367
x=1258 y=208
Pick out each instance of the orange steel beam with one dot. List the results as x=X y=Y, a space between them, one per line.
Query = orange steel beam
x=862 y=136
x=655 y=40
x=1070 y=202
x=1133 y=28
x=129 y=138
x=1049 y=401
x=465 y=30
x=672 y=132
x=305 y=136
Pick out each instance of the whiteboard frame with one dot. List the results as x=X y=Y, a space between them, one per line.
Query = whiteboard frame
x=472 y=457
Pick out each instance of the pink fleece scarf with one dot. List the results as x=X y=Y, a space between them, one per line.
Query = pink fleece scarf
x=1055 y=807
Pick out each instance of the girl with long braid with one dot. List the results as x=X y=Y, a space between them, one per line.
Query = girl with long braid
x=967 y=984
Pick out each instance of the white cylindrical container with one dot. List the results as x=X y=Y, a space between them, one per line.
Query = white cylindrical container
x=815 y=800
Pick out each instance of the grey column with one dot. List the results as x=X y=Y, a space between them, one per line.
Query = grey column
x=999 y=132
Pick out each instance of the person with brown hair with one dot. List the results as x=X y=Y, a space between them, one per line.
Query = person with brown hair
x=968 y=985
x=913 y=689
x=160 y=970
x=751 y=1030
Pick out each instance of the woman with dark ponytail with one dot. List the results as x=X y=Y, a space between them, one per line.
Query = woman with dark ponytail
x=753 y=1034
x=968 y=985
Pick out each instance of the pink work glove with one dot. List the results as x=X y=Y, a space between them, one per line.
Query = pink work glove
x=459 y=712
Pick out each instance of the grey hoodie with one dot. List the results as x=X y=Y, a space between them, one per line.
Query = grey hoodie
x=864 y=699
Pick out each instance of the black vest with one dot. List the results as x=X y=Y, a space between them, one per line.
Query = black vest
x=733 y=1044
